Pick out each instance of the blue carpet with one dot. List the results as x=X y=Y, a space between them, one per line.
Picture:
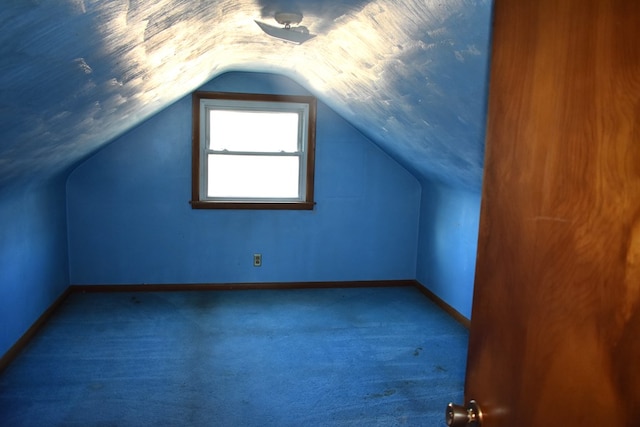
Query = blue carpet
x=307 y=357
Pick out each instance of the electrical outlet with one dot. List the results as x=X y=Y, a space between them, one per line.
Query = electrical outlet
x=257 y=260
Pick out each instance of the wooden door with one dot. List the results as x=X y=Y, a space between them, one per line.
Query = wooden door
x=555 y=328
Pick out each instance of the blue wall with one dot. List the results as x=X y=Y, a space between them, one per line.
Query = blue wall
x=448 y=241
x=130 y=220
x=33 y=256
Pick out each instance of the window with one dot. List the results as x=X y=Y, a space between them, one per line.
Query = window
x=253 y=151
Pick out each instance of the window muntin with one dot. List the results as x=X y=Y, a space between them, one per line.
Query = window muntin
x=253 y=151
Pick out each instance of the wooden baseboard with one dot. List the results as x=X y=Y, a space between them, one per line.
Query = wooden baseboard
x=22 y=342
x=275 y=286
x=444 y=306
x=240 y=286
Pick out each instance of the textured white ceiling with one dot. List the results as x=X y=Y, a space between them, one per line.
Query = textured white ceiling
x=411 y=75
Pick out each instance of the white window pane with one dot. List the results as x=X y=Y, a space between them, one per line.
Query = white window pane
x=252 y=176
x=253 y=131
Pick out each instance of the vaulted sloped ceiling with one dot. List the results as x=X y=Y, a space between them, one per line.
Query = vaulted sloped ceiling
x=410 y=74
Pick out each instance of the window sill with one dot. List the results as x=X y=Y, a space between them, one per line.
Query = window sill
x=199 y=204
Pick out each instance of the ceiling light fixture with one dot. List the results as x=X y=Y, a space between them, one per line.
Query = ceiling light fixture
x=297 y=35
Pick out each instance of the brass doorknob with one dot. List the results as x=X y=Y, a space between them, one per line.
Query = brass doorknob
x=464 y=416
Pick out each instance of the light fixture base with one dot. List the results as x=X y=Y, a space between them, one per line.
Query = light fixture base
x=288 y=18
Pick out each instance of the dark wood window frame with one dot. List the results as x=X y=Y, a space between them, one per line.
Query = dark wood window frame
x=198 y=202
